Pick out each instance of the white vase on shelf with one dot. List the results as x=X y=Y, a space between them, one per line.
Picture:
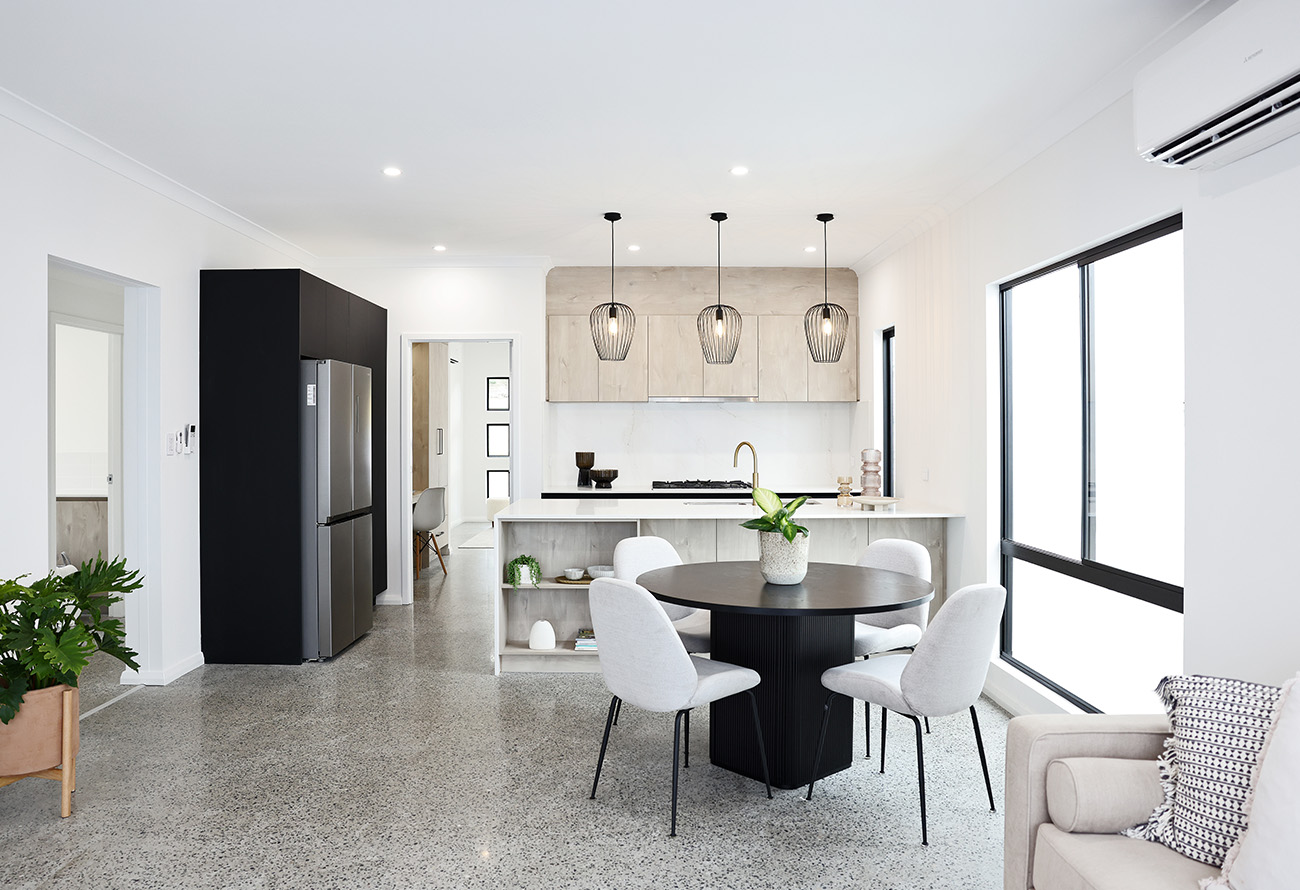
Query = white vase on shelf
x=542 y=635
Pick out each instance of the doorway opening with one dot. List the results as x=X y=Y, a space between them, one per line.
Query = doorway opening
x=103 y=390
x=459 y=432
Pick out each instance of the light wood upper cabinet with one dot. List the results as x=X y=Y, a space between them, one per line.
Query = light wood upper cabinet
x=571 y=363
x=740 y=377
x=623 y=381
x=782 y=359
x=676 y=361
x=836 y=381
x=772 y=362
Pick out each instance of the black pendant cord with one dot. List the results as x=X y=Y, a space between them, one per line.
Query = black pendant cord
x=719 y=265
x=611 y=265
x=826 y=273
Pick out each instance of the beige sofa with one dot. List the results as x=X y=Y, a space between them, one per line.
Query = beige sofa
x=1071 y=845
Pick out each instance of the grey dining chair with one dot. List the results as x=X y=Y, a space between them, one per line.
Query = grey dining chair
x=943 y=675
x=886 y=631
x=645 y=664
x=430 y=512
x=635 y=556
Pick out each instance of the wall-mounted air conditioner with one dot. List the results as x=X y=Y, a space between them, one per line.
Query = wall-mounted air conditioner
x=1228 y=90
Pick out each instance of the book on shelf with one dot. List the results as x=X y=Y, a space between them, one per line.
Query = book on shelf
x=586 y=640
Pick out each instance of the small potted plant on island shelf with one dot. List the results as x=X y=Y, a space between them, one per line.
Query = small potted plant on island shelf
x=523 y=570
x=49 y=630
x=782 y=543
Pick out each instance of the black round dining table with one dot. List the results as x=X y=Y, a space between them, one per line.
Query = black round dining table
x=790 y=634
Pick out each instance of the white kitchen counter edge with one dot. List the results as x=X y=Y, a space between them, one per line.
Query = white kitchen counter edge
x=662 y=508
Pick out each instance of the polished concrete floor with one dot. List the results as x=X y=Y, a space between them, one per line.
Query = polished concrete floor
x=405 y=763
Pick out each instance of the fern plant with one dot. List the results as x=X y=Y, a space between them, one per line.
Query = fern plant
x=50 y=629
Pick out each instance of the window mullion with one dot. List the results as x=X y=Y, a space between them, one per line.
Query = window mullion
x=1088 y=503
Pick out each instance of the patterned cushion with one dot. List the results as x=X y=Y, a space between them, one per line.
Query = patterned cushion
x=1219 y=729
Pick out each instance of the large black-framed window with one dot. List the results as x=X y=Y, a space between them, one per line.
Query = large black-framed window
x=1092 y=469
x=887 y=408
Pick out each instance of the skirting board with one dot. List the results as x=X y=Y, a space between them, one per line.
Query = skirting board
x=165 y=676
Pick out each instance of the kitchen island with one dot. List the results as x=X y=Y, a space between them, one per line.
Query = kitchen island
x=581 y=532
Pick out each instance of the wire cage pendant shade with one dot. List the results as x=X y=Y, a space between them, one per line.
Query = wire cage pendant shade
x=612 y=323
x=826 y=324
x=719 y=324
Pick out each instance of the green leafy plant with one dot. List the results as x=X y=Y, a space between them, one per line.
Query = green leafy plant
x=50 y=628
x=776 y=516
x=514 y=570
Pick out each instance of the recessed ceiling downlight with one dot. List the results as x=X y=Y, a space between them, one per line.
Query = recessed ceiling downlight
x=739 y=171
x=810 y=249
x=392 y=171
x=439 y=247
x=634 y=247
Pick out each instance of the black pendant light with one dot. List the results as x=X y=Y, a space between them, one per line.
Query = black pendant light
x=826 y=324
x=612 y=323
x=719 y=324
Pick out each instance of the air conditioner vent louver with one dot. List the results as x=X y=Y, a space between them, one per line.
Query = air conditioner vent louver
x=1266 y=109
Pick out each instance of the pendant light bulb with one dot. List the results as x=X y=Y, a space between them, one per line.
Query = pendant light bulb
x=720 y=325
x=826 y=326
x=612 y=323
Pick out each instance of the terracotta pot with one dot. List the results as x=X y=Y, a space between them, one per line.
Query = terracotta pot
x=33 y=740
x=782 y=561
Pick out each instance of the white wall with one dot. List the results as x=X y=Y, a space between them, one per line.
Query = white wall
x=478 y=361
x=1241 y=313
x=488 y=303
x=59 y=203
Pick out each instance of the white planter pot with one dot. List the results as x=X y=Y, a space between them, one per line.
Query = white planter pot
x=782 y=561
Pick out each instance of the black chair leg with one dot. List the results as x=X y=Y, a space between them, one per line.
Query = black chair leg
x=758 y=734
x=920 y=776
x=618 y=711
x=984 y=764
x=883 y=712
x=821 y=740
x=686 y=760
x=927 y=725
x=677 y=740
x=600 y=761
x=866 y=714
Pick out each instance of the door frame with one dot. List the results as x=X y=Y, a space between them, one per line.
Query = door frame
x=406 y=593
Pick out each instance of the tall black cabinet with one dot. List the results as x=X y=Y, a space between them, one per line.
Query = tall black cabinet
x=254 y=327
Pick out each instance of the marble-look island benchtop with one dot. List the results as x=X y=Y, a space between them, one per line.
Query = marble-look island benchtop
x=578 y=532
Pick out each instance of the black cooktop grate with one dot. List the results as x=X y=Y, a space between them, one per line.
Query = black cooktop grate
x=702 y=483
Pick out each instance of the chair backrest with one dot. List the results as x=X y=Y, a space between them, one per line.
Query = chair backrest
x=945 y=673
x=632 y=556
x=898 y=555
x=641 y=656
x=430 y=510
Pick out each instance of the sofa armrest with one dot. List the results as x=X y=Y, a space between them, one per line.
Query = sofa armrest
x=1035 y=741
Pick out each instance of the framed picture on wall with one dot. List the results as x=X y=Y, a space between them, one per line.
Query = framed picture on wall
x=498 y=393
x=498 y=440
x=498 y=484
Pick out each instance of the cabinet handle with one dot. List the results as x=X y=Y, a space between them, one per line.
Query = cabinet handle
x=440 y=440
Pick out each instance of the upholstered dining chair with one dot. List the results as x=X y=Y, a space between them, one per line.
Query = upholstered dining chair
x=430 y=512
x=943 y=675
x=633 y=556
x=887 y=631
x=645 y=664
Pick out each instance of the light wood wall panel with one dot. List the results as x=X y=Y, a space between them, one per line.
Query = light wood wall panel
x=625 y=381
x=419 y=416
x=571 y=362
x=678 y=365
x=740 y=377
x=782 y=359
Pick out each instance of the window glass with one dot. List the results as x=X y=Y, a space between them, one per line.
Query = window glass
x=1046 y=420
x=1137 y=333
x=1107 y=648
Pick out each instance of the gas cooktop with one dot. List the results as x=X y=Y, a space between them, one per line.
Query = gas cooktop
x=702 y=483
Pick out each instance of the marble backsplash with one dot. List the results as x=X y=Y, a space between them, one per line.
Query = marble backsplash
x=800 y=445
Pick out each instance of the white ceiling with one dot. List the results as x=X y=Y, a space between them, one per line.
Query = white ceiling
x=518 y=124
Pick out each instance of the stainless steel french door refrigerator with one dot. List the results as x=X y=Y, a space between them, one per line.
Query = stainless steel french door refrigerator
x=337 y=594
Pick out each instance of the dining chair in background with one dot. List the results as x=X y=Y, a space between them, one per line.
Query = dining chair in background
x=635 y=556
x=943 y=675
x=886 y=631
x=430 y=512
x=645 y=664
